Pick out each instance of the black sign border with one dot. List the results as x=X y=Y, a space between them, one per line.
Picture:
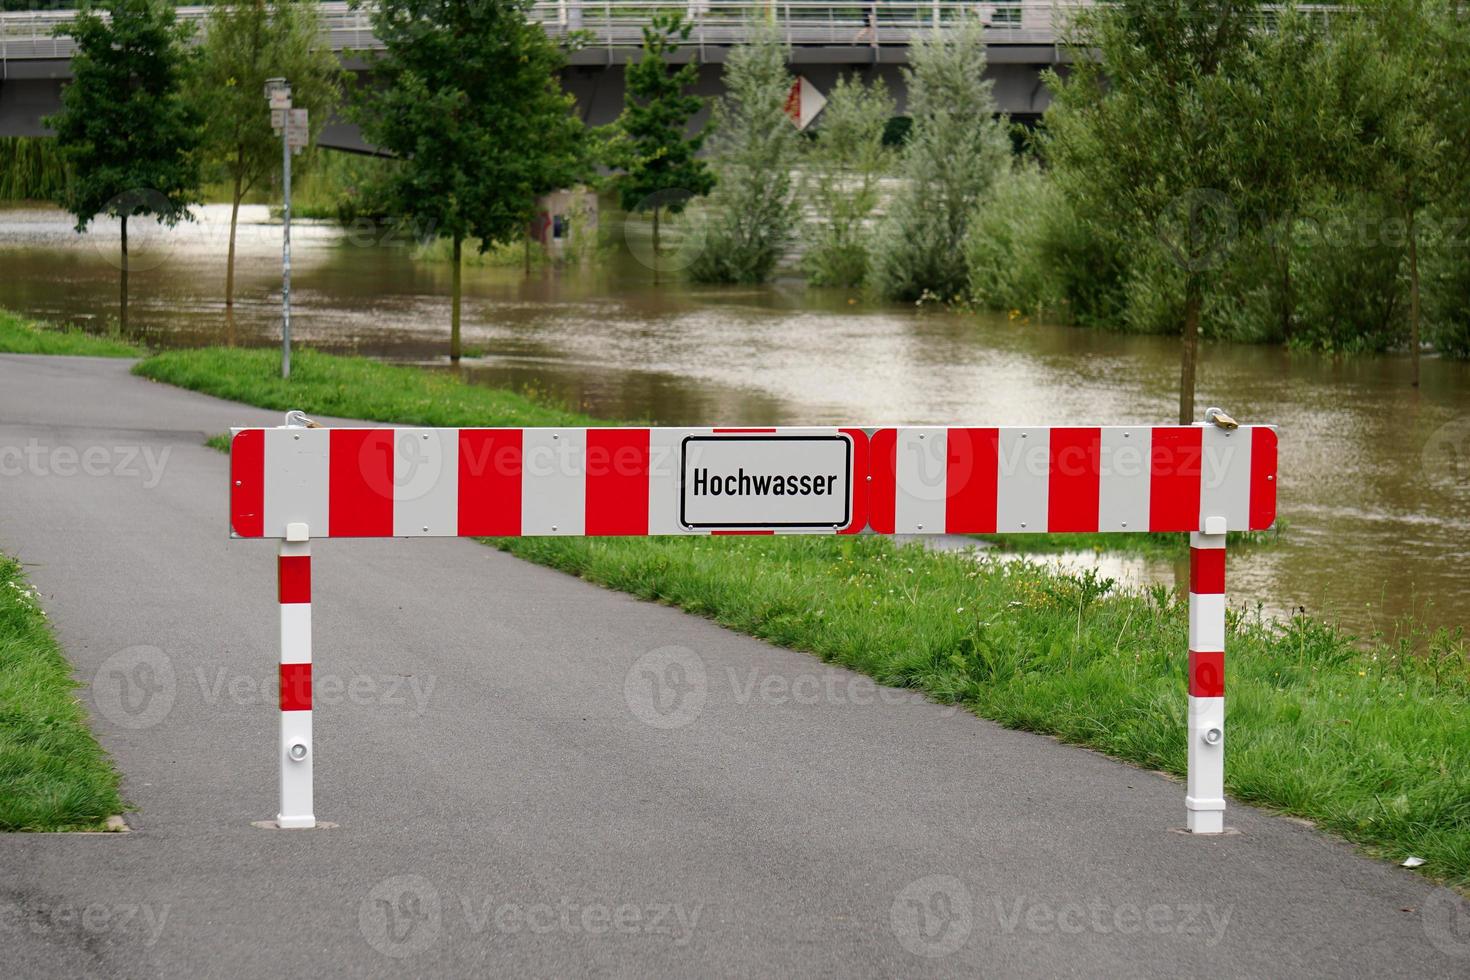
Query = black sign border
x=842 y=437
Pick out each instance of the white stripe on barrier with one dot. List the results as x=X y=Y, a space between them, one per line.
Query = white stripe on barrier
x=919 y=470
x=1123 y=491
x=553 y=481
x=1023 y=485
x=296 y=480
x=425 y=483
x=1225 y=476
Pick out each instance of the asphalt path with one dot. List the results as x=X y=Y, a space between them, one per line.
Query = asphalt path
x=535 y=776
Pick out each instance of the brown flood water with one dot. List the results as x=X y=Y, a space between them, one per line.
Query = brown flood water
x=1375 y=475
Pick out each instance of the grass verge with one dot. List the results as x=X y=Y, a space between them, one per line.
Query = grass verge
x=53 y=774
x=1367 y=742
x=21 y=336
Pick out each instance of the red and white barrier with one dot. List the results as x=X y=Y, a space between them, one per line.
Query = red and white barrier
x=295 y=483
x=407 y=482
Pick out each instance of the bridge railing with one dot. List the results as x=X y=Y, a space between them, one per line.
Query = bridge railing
x=30 y=34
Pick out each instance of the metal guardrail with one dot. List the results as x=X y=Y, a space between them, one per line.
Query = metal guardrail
x=29 y=35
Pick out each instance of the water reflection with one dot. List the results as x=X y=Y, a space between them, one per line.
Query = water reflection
x=1376 y=497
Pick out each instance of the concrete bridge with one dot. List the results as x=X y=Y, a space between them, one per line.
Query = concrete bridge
x=825 y=39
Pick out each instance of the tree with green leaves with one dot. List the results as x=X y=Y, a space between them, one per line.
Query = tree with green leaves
x=1407 y=106
x=247 y=42
x=847 y=159
x=661 y=172
x=957 y=149
x=469 y=97
x=1139 y=133
x=126 y=127
x=751 y=217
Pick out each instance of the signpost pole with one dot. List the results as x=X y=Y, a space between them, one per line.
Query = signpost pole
x=286 y=252
x=1205 y=781
x=293 y=586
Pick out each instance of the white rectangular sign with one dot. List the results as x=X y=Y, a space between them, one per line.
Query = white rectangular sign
x=766 y=481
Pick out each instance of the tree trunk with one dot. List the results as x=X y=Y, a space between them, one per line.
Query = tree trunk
x=230 y=261
x=527 y=253
x=655 y=246
x=1414 y=339
x=1189 y=350
x=454 y=302
x=122 y=299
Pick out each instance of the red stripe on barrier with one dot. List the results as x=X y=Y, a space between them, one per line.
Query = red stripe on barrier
x=970 y=481
x=1076 y=469
x=295 y=687
x=883 y=489
x=360 y=483
x=1174 y=479
x=1207 y=571
x=293 y=578
x=1263 y=478
x=1207 y=674
x=860 y=481
x=247 y=483
x=490 y=482
x=617 y=481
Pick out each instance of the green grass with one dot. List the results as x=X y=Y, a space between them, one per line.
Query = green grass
x=53 y=774
x=21 y=336
x=1145 y=543
x=1366 y=739
x=326 y=384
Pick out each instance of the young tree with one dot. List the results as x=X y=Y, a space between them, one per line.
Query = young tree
x=956 y=151
x=847 y=159
x=245 y=43
x=660 y=169
x=1139 y=134
x=1397 y=60
x=752 y=212
x=470 y=99
x=125 y=127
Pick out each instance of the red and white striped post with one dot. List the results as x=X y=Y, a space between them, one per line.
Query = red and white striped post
x=293 y=585
x=1205 y=793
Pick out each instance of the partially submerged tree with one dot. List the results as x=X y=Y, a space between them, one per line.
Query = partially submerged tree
x=247 y=42
x=650 y=142
x=751 y=217
x=957 y=149
x=1140 y=134
x=126 y=128
x=471 y=100
x=847 y=159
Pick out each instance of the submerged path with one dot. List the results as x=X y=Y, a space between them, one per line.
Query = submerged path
x=516 y=794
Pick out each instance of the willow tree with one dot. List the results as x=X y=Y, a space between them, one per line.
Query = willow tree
x=468 y=95
x=751 y=217
x=247 y=42
x=847 y=159
x=126 y=128
x=956 y=151
x=1140 y=135
x=651 y=142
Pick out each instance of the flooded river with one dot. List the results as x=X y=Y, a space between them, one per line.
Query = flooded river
x=1375 y=475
